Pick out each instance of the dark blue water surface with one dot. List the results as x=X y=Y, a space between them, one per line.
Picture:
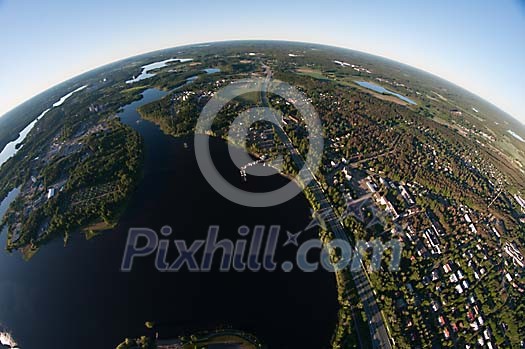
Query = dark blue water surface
x=76 y=297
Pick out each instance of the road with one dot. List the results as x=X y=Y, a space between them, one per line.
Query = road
x=388 y=152
x=377 y=327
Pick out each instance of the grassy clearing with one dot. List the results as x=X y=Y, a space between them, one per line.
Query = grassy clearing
x=134 y=89
x=314 y=73
x=96 y=229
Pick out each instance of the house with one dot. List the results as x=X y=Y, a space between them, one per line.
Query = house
x=447 y=268
x=406 y=196
x=459 y=289
x=446 y=333
x=513 y=252
x=480 y=320
x=50 y=193
x=371 y=186
x=431 y=238
x=520 y=201
x=348 y=177
x=435 y=307
x=389 y=207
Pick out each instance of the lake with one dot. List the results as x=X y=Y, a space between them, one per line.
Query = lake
x=77 y=297
x=212 y=70
x=381 y=89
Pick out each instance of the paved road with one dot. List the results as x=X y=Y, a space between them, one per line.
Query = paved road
x=378 y=331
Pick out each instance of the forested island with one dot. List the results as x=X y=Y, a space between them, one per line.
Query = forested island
x=75 y=171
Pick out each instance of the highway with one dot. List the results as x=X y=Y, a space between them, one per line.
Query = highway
x=378 y=332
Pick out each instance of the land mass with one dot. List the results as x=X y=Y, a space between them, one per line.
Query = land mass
x=431 y=165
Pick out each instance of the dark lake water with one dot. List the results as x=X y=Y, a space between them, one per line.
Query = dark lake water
x=76 y=297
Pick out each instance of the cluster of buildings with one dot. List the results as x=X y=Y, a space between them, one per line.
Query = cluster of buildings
x=433 y=242
x=38 y=190
x=475 y=318
x=513 y=252
x=470 y=259
x=355 y=67
x=520 y=202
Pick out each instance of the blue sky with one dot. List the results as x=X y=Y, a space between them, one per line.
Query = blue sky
x=477 y=44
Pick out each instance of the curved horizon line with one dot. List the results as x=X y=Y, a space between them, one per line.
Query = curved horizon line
x=77 y=75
